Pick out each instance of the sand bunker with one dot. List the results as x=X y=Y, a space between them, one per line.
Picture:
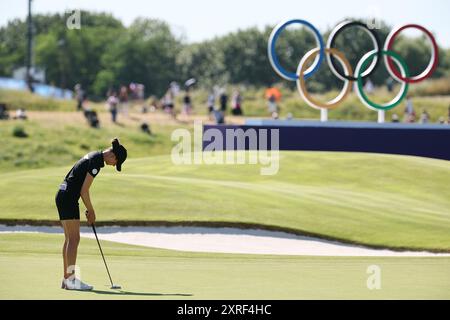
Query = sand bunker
x=225 y=240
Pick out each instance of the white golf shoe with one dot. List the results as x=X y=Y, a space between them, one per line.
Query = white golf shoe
x=75 y=285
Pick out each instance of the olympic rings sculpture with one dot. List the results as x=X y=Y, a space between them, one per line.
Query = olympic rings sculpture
x=395 y=65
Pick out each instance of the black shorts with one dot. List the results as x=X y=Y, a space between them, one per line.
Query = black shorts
x=67 y=205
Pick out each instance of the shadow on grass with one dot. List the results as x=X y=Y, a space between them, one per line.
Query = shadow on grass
x=140 y=294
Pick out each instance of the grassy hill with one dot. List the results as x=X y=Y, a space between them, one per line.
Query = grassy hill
x=59 y=138
x=377 y=200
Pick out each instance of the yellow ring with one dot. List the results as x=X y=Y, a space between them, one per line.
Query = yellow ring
x=301 y=83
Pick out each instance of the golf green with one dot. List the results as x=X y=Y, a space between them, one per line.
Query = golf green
x=30 y=268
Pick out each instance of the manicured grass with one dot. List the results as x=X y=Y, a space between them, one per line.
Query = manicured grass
x=378 y=200
x=30 y=268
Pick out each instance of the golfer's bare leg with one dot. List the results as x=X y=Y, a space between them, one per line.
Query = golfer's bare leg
x=64 y=250
x=72 y=228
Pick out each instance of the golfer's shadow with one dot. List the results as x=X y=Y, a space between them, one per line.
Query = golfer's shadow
x=141 y=294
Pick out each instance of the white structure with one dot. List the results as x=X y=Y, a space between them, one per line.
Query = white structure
x=37 y=74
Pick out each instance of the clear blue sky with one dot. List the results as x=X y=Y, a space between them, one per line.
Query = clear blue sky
x=203 y=19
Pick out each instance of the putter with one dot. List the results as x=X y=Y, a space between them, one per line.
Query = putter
x=113 y=286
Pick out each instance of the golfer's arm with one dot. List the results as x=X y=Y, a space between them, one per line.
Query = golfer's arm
x=85 y=192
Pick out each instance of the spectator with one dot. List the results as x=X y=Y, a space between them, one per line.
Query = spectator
x=187 y=103
x=441 y=120
x=79 y=96
x=390 y=85
x=154 y=105
x=20 y=114
x=91 y=117
x=395 y=118
x=410 y=114
x=85 y=103
x=4 y=115
x=168 y=103
x=272 y=104
x=424 y=117
x=369 y=87
x=273 y=95
x=219 y=117
x=133 y=91
x=211 y=102
x=236 y=104
x=140 y=92
x=174 y=89
x=448 y=119
x=223 y=101
x=146 y=128
x=190 y=83
x=275 y=116
x=139 y=96
x=290 y=116
x=113 y=103
x=123 y=99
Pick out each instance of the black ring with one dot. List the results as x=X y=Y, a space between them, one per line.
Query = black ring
x=340 y=29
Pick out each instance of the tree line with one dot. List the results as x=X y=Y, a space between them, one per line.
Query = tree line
x=104 y=54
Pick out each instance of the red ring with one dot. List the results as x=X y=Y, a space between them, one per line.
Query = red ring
x=435 y=47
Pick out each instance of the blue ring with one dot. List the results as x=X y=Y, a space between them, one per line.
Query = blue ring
x=276 y=63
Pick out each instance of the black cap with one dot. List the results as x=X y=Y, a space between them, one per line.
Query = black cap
x=120 y=152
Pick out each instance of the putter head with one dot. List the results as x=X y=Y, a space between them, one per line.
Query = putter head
x=116 y=287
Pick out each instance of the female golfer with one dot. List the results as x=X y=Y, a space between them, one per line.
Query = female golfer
x=75 y=185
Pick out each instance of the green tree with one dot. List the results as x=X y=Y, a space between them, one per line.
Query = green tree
x=12 y=46
x=68 y=56
x=245 y=57
x=205 y=62
x=72 y=56
x=145 y=53
x=105 y=54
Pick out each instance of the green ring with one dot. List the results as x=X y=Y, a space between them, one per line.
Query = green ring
x=394 y=103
